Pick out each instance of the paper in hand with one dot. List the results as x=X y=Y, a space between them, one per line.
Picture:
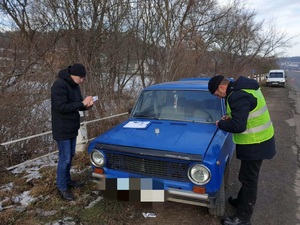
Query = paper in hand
x=95 y=98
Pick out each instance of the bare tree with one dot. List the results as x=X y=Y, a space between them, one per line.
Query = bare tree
x=126 y=45
x=239 y=41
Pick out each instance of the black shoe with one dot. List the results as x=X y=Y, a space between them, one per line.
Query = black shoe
x=233 y=201
x=66 y=195
x=234 y=220
x=74 y=184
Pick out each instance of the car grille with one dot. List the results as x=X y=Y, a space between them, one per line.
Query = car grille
x=148 y=167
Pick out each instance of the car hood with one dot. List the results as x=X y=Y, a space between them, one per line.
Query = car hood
x=182 y=137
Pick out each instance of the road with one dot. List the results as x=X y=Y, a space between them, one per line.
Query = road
x=278 y=200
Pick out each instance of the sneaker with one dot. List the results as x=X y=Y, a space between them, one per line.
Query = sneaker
x=234 y=220
x=74 y=184
x=66 y=195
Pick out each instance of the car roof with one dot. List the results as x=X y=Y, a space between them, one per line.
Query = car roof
x=276 y=71
x=183 y=84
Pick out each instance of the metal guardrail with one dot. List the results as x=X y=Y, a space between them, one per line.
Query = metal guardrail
x=258 y=77
x=82 y=138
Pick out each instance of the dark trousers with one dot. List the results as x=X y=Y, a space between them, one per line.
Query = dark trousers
x=248 y=176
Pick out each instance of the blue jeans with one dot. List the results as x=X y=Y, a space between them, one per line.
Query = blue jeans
x=66 y=150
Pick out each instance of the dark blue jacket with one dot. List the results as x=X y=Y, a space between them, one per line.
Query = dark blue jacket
x=241 y=103
x=66 y=101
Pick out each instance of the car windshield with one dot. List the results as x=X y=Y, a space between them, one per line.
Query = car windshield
x=276 y=75
x=187 y=105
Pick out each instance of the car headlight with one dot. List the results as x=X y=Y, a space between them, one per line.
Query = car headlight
x=199 y=174
x=97 y=158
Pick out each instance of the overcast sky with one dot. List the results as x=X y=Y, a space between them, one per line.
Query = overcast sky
x=285 y=14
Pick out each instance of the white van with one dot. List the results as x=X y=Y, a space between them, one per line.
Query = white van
x=276 y=78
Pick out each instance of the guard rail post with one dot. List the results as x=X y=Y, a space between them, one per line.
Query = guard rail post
x=82 y=138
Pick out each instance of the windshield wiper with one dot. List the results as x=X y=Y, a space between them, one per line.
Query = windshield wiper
x=146 y=116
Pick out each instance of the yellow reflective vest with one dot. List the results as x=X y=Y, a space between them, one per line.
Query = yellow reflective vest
x=259 y=126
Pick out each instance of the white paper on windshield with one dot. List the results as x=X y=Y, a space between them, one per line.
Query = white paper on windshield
x=137 y=124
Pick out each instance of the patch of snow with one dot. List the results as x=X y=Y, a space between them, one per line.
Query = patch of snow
x=33 y=173
x=65 y=221
x=34 y=166
x=92 y=204
x=20 y=208
x=46 y=213
x=7 y=187
x=31 y=170
x=24 y=199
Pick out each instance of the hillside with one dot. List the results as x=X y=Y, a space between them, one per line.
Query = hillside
x=290 y=63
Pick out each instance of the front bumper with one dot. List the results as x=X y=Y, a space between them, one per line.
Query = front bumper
x=171 y=194
x=275 y=83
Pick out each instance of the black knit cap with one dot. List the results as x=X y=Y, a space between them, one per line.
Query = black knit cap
x=77 y=70
x=214 y=83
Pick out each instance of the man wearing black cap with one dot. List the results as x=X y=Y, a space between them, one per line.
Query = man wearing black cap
x=66 y=102
x=249 y=121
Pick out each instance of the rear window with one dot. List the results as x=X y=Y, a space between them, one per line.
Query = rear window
x=276 y=75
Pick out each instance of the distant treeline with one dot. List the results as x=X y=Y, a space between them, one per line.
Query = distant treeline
x=290 y=59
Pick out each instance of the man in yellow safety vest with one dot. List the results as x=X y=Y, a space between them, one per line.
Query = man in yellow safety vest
x=249 y=121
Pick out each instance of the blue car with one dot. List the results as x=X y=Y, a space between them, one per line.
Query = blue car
x=169 y=149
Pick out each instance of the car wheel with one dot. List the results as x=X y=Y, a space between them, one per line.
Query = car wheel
x=218 y=208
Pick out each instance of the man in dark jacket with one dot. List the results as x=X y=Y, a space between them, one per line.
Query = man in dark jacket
x=66 y=102
x=249 y=121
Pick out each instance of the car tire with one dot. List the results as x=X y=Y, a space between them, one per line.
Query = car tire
x=218 y=208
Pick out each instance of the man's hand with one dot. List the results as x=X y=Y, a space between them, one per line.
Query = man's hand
x=88 y=102
x=225 y=117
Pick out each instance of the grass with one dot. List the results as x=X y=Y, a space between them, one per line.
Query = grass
x=49 y=207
